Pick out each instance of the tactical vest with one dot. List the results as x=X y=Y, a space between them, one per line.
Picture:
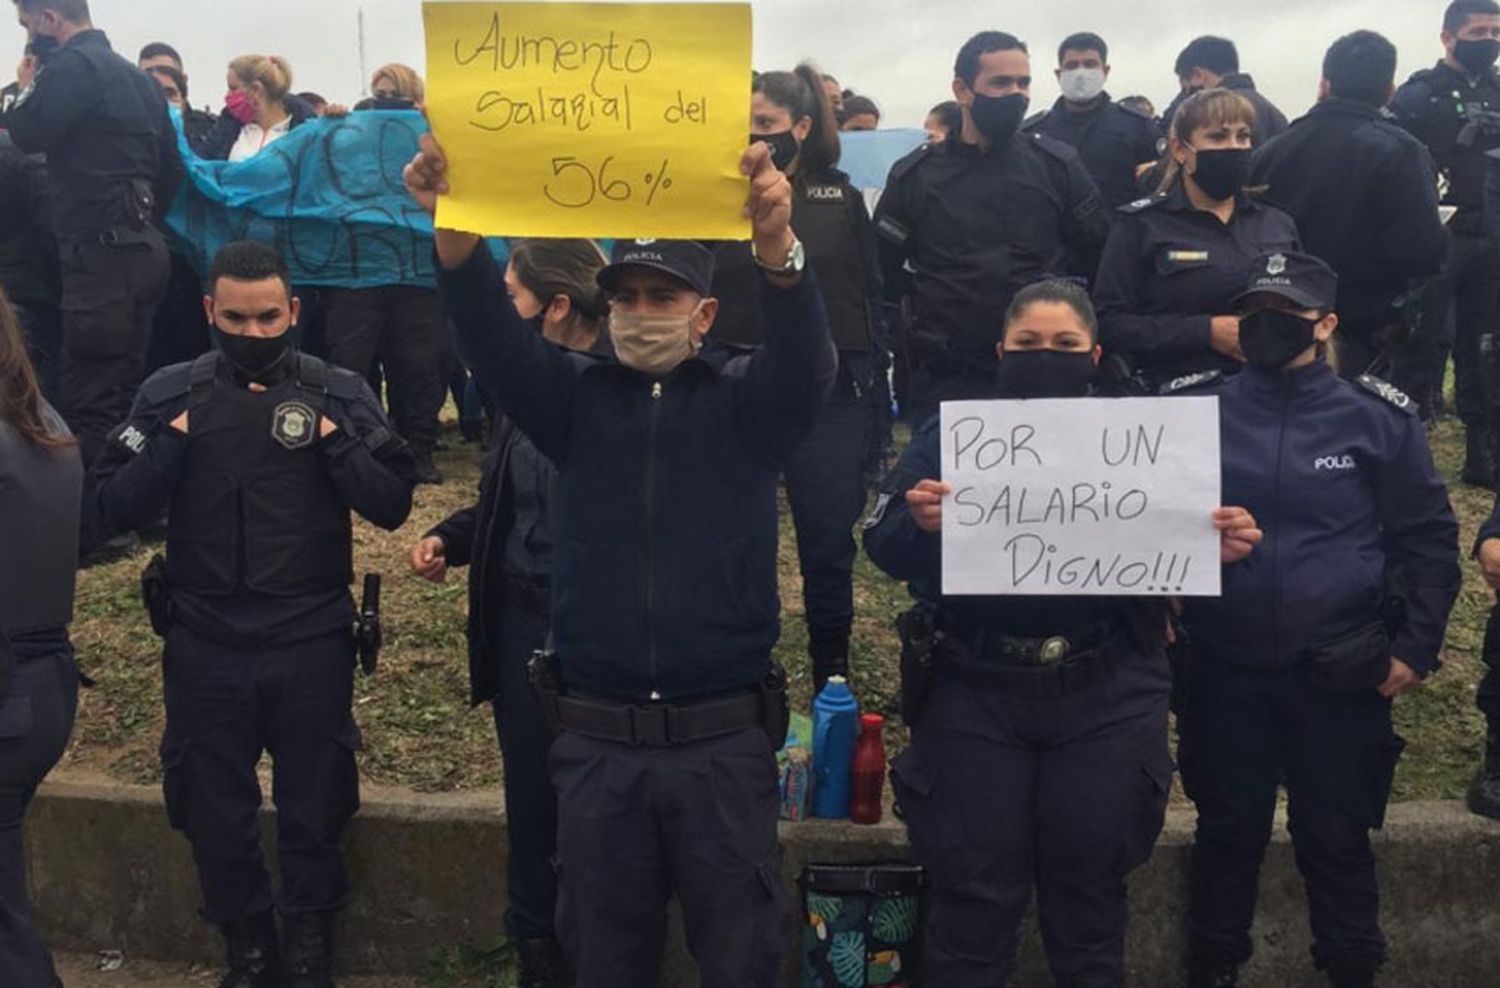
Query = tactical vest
x=823 y=218
x=41 y=490
x=255 y=509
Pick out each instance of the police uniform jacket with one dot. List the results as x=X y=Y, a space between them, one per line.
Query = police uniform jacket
x=1340 y=479
x=1440 y=106
x=664 y=577
x=1169 y=268
x=1112 y=140
x=104 y=127
x=895 y=544
x=40 y=492
x=259 y=536
x=961 y=230
x=1363 y=193
x=834 y=226
x=28 y=253
x=1270 y=122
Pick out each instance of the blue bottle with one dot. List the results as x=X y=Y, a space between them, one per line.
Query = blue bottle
x=835 y=731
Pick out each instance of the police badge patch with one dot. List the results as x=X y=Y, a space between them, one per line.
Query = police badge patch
x=294 y=425
x=1276 y=264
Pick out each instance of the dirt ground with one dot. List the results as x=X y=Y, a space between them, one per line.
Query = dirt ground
x=84 y=971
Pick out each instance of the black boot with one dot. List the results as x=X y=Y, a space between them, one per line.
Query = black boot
x=1352 y=972
x=250 y=951
x=1209 y=966
x=1484 y=793
x=829 y=658
x=309 y=950
x=542 y=962
x=1479 y=459
x=427 y=471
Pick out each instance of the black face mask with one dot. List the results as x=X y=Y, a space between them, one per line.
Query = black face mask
x=253 y=356
x=1222 y=172
x=1045 y=374
x=44 y=46
x=999 y=117
x=1272 y=339
x=784 y=148
x=1477 y=57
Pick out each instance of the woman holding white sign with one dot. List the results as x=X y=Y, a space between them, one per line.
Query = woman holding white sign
x=1297 y=663
x=1024 y=711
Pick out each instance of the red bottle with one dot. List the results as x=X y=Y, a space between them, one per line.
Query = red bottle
x=869 y=771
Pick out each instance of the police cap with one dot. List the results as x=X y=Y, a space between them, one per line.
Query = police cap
x=686 y=260
x=1301 y=279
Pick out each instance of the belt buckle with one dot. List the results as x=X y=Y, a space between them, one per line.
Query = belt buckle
x=650 y=726
x=1053 y=651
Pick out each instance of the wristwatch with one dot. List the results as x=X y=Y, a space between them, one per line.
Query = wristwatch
x=796 y=261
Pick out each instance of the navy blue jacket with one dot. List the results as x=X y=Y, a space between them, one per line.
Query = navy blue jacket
x=665 y=517
x=1435 y=105
x=1363 y=193
x=1169 y=268
x=1343 y=485
x=1111 y=139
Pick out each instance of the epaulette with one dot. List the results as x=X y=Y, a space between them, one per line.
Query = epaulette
x=903 y=167
x=1387 y=392
x=1060 y=150
x=1141 y=205
x=168 y=383
x=1190 y=381
x=345 y=384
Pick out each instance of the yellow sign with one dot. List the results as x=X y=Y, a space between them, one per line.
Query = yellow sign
x=591 y=119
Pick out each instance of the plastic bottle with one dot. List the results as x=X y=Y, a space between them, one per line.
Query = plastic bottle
x=869 y=771
x=835 y=729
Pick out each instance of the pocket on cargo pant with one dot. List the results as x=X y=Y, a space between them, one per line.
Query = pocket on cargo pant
x=1379 y=776
x=176 y=781
x=1155 y=787
x=342 y=778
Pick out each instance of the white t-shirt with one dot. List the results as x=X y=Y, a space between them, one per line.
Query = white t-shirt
x=253 y=139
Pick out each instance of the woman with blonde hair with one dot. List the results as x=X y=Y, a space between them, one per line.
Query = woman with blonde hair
x=1174 y=261
x=258 y=110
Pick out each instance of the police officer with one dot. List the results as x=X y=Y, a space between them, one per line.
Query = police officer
x=28 y=258
x=1113 y=140
x=41 y=484
x=1363 y=193
x=1174 y=261
x=1298 y=662
x=261 y=453
x=825 y=480
x=965 y=223
x=1034 y=707
x=507 y=542
x=1214 y=63
x=1454 y=109
x=112 y=154
x=664 y=583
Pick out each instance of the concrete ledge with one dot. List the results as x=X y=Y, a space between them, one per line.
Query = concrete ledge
x=107 y=872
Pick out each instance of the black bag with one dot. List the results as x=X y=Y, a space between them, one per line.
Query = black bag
x=1354 y=663
x=864 y=926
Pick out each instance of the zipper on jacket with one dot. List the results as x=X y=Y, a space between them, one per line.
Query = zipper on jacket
x=649 y=548
x=1284 y=402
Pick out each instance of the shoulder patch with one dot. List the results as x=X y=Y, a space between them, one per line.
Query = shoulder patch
x=168 y=383
x=1141 y=205
x=1190 y=381
x=1387 y=392
x=345 y=384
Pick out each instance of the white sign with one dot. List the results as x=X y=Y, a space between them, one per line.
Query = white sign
x=1081 y=496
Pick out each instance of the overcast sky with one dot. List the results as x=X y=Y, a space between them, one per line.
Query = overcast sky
x=900 y=52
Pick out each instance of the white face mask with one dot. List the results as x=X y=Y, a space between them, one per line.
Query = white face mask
x=1082 y=85
x=653 y=345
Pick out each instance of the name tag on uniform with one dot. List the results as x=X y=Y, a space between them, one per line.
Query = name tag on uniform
x=825 y=193
x=1187 y=256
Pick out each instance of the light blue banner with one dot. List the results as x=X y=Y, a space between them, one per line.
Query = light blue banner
x=868 y=155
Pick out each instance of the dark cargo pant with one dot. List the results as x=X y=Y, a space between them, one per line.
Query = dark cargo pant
x=637 y=824
x=227 y=705
x=1003 y=794
x=1243 y=733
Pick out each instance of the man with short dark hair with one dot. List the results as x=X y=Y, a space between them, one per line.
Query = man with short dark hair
x=1454 y=109
x=1364 y=195
x=964 y=224
x=260 y=453
x=1113 y=140
x=161 y=61
x=1214 y=63
x=114 y=168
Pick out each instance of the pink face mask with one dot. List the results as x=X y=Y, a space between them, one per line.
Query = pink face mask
x=239 y=106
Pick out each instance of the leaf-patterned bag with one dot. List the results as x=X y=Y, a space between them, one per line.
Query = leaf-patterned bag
x=864 y=926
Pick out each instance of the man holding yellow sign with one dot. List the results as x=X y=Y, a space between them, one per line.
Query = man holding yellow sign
x=665 y=606
x=591 y=120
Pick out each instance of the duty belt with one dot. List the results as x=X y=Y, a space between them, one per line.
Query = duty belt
x=1035 y=666
x=659 y=725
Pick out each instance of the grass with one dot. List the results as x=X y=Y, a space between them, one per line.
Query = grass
x=421 y=733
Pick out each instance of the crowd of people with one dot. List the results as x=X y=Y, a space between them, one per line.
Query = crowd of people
x=643 y=411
